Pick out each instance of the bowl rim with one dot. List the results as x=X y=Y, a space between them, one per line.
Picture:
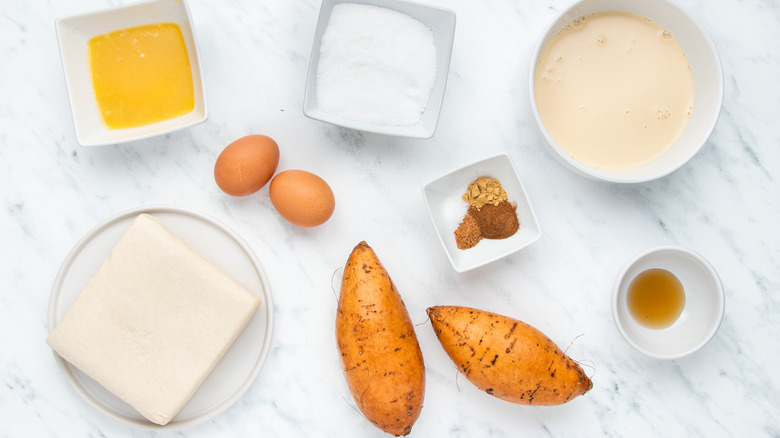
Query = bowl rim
x=596 y=174
x=719 y=294
x=201 y=98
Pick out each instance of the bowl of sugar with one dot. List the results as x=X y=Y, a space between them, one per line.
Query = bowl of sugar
x=132 y=71
x=625 y=91
x=380 y=66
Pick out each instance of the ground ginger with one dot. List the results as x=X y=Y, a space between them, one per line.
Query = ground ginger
x=484 y=190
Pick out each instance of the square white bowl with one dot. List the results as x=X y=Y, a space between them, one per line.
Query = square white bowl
x=441 y=193
x=73 y=34
x=441 y=21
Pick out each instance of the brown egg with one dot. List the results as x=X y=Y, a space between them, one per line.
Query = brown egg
x=301 y=197
x=246 y=165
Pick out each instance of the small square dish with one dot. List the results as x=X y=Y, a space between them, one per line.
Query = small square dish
x=443 y=199
x=383 y=64
x=74 y=34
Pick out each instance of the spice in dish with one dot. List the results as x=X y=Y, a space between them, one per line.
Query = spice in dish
x=490 y=214
x=376 y=65
x=614 y=90
x=467 y=234
x=141 y=75
x=496 y=221
x=483 y=191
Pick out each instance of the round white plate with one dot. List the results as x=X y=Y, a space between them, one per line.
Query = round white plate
x=238 y=367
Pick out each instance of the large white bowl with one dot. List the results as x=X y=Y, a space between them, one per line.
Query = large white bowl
x=441 y=21
x=707 y=78
x=73 y=34
x=700 y=318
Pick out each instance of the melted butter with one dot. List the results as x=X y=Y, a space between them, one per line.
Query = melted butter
x=141 y=75
x=614 y=90
x=655 y=298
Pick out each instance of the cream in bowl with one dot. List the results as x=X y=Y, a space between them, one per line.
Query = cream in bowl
x=625 y=91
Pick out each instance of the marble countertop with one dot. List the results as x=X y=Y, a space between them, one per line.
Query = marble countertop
x=723 y=204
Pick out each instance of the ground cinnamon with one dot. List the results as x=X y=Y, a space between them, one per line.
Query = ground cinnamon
x=496 y=221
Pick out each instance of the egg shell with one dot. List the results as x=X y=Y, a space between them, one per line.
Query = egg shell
x=246 y=165
x=302 y=198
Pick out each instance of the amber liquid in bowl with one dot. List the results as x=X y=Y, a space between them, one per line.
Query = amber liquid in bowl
x=655 y=298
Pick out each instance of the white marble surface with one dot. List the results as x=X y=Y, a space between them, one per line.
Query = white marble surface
x=724 y=204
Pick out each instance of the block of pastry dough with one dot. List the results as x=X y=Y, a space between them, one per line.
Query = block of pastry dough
x=153 y=321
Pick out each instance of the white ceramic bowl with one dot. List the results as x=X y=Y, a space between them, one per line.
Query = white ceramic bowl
x=446 y=208
x=707 y=77
x=74 y=32
x=440 y=20
x=700 y=318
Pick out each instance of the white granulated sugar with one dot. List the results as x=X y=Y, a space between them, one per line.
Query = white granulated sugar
x=454 y=208
x=376 y=65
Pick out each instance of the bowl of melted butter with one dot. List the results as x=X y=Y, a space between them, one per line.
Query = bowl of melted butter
x=132 y=72
x=625 y=91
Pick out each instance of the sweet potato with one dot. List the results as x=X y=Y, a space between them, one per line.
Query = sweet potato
x=380 y=355
x=507 y=358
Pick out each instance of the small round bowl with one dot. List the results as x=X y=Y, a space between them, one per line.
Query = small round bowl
x=707 y=78
x=700 y=318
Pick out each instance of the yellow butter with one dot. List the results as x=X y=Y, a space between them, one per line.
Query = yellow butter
x=141 y=75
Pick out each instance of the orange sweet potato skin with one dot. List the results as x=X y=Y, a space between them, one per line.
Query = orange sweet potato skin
x=507 y=358
x=380 y=354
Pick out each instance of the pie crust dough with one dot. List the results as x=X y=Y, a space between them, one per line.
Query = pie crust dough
x=154 y=320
